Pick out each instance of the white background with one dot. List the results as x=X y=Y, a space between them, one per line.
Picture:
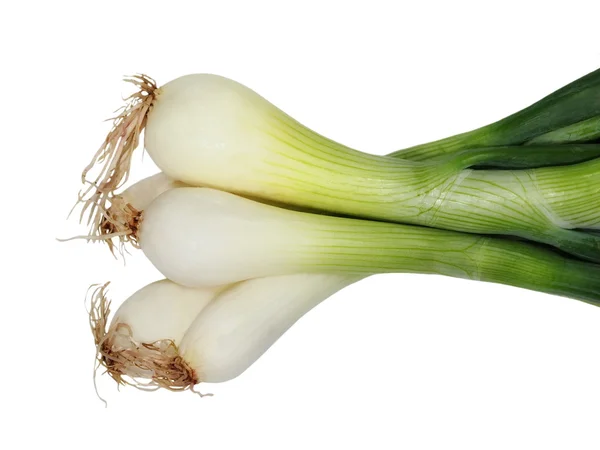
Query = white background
x=396 y=361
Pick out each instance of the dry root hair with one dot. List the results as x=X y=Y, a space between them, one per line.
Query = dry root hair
x=121 y=221
x=114 y=155
x=145 y=365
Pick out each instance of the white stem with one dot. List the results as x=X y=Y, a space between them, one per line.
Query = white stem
x=234 y=330
x=163 y=310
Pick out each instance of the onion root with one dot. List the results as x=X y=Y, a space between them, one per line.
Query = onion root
x=114 y=155
x=145 y=365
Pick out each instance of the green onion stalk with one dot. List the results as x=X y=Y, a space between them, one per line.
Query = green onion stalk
x=568 y=115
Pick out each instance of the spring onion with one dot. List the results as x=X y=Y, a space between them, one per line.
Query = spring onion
x=206 y=130
x=174 y=337
x=204 y=237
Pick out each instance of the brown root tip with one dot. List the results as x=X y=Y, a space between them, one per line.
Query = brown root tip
x=121 y=221
x=114 y=155
x=146 y=366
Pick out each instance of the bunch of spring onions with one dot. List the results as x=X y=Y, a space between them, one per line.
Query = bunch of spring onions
x=255 y=218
